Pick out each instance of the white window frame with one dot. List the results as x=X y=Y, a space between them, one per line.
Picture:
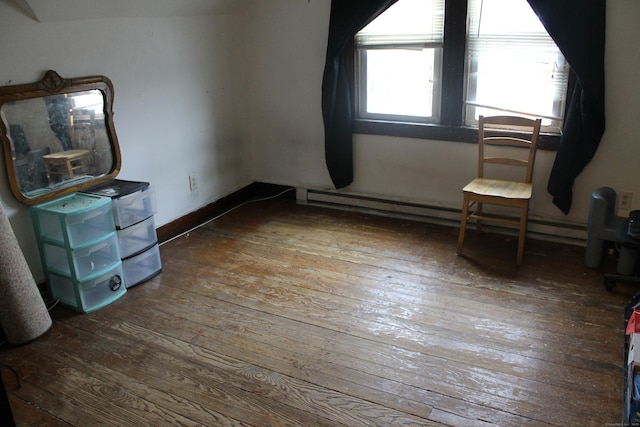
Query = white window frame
x=361 y=83
x=457 y=114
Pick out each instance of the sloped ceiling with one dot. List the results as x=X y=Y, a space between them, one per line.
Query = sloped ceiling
x=69 y=10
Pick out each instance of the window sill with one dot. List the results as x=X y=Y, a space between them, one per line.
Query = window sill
x=547 y=141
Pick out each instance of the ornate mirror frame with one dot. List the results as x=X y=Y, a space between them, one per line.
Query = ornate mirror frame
x=53 y=87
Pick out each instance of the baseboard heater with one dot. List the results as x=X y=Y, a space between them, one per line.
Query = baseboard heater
x=542 y=229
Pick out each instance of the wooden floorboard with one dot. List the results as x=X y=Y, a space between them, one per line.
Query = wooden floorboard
x=278 y=314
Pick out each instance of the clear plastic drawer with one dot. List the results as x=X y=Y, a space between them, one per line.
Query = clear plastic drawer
x=142 y=267
x=134 y=207
x=137 y=238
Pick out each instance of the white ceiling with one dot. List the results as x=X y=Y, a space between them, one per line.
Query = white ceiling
x=69 y=10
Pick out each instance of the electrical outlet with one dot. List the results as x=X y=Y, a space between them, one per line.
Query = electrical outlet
x=624 y=200
x=193 y=182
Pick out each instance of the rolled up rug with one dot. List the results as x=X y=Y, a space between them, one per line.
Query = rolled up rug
x=23 y=313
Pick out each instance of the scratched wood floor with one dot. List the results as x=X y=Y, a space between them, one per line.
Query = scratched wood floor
x=285 y=315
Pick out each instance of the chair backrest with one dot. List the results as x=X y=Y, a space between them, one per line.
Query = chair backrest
x=508 y=131
x=83 y=128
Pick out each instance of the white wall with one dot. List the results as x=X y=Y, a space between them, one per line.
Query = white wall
x=288 y=41
x=287 y=44
x=179 y=103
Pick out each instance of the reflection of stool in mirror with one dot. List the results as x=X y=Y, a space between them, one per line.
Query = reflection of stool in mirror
x=66 y=164
x=627 y=259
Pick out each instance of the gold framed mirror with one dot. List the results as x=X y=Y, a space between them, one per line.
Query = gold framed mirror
x=58 y=136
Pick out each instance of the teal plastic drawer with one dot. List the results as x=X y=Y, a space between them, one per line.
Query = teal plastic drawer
x=89 y=295
x=85 y=262
x=74 y=220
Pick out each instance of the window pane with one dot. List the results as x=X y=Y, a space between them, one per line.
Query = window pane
x=400 y=82
x=406 y=22
x=513 y=64
x=399 y=62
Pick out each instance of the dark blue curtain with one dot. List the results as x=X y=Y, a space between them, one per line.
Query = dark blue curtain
x=578 y=28
x=347 y=18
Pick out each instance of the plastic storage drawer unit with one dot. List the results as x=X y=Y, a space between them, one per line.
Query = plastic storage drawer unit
x=85 y=261
x=73 y=220
x=142 y=267
x=133 y=209
x=79 y=249
x=89 y=295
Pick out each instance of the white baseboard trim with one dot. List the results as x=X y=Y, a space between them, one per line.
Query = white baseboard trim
x=541 y=229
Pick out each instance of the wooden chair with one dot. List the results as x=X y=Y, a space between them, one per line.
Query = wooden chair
x=500 y=134
x=83 y=137
x=83 y=128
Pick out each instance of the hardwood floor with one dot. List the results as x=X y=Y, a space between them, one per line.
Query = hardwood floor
x=285 y=315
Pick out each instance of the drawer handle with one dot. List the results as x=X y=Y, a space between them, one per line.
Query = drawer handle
x=115 y=283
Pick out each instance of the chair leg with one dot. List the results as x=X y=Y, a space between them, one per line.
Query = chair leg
x=523 y=232
x=463 y=224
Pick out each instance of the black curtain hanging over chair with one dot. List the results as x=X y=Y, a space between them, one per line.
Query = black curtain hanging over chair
x=577 y=27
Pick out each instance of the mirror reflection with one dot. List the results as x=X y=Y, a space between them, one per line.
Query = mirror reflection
x=58 y=136
x=57 y=139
